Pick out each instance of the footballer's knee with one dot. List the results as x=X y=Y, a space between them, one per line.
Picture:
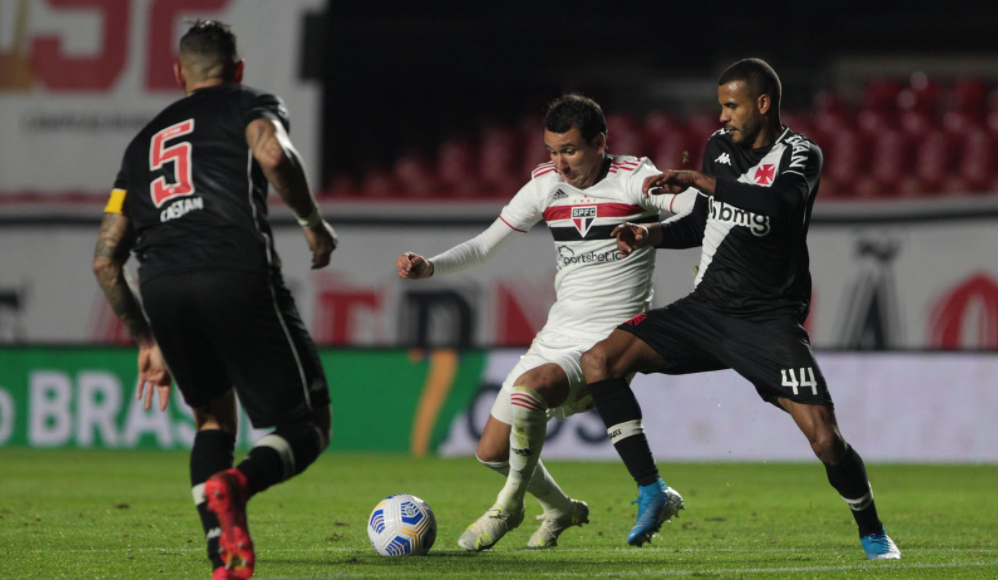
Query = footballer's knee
x=597 y=364
x=549 y=381
x=828 y=445
x=218 y=414
x=493 y=457
x=493 y=446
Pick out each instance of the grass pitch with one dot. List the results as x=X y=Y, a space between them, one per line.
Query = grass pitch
x=102 y=514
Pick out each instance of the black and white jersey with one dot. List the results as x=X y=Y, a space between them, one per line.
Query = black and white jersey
x=192 y=189
x=754 y=228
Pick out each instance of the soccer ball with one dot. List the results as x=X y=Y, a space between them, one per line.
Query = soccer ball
x=402 y=525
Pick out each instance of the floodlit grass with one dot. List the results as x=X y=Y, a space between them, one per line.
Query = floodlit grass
x=104 y=514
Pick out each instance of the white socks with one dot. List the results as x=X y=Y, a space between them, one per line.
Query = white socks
x=542 y=486
x=526 y=439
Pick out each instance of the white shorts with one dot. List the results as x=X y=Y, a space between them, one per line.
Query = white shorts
x=550 y=347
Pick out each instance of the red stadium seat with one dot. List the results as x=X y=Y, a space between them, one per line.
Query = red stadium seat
x=923 y=94
x=455 y=167
x=847 y=155
x=499 y=160
x=657 y=126
x=671 y=151
x=890 y=157
x=342 y=185
x=881 y=94
x=934 y=160
x=968 y=96
x=701 y=126
x=414 y=178
x=916 y=122
x=531 y=131
x=379 y=183
x=976 y=165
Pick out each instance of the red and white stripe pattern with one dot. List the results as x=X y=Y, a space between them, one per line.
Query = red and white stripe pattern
x=604 y=210
x=527 y=400
x=616 y=166
x=543 y=169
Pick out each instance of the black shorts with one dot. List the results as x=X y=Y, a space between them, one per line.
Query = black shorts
x=772 y=351
x=229 y=328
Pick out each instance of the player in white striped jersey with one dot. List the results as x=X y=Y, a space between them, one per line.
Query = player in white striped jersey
x=582 y=194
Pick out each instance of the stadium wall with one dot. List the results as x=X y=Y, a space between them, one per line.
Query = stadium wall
x=901 y=407
x=901 y=276
x=78 y=80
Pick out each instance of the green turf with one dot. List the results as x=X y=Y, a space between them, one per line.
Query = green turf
x=102 y=514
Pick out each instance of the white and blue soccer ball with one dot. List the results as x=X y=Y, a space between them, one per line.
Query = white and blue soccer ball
x=402 y=525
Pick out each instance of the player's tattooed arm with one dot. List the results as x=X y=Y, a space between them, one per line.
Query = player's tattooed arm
x=283 y=168
x=281 y=164
x=113 y=246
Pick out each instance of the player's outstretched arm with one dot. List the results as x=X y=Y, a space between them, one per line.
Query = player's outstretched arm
x=673 y=181
x=412 y=266
x=633 y=237
x=283 y=168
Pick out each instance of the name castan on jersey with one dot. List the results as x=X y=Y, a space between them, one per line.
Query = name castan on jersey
x=596 y=290
x=755 y=256
x=194 y=193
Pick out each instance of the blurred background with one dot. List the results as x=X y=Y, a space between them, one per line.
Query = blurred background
x=419 y=121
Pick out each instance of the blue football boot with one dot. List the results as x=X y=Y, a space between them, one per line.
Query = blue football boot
x=657 y=503
x=880 y=546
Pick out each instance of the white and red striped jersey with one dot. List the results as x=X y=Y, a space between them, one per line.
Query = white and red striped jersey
x=596 y=289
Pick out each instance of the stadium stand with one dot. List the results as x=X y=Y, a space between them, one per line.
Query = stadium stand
x=918 y=137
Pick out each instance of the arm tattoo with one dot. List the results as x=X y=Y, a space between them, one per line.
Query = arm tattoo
x=288 y=177
x=113 y=245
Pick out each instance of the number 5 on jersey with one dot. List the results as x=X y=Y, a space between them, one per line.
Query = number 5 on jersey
x=804 y=382
x=180 y=155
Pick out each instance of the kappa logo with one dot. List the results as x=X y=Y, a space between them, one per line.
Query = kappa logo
x=723 y=158
x=559 y=195
x=636 y=319
x=583 y=218
x=765 y=174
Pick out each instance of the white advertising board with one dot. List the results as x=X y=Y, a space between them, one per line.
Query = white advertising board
x=903 y=407
x=903 y=285
x=79 y=78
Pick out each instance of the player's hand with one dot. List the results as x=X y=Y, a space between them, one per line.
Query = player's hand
x=413 y=266
x=153 y=376
x=322 y=240
x=630 y=237
x=669 y=181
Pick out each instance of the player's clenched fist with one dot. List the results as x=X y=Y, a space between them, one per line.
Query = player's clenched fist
x=630 y=237
x=413 y=266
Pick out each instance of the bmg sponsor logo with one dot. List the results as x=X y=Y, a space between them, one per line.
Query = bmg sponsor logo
x=758 y=224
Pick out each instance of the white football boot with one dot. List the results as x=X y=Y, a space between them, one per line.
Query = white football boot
x=546 y=536
x=490 y=528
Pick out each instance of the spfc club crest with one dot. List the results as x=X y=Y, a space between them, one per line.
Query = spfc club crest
x=583 y=218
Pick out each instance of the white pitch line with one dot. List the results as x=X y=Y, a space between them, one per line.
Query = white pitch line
x=660 y=573
x=636 y=552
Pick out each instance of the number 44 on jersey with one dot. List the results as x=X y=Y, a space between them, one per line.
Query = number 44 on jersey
x=790 y=380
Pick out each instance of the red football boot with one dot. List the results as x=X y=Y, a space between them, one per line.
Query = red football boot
x=227 y=493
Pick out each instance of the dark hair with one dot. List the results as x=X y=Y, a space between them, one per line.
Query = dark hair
x=575 y=110
x=209 y=49
x=760 y=78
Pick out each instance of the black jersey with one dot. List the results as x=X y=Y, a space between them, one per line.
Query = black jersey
x=194 y=193
x=754 y=228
